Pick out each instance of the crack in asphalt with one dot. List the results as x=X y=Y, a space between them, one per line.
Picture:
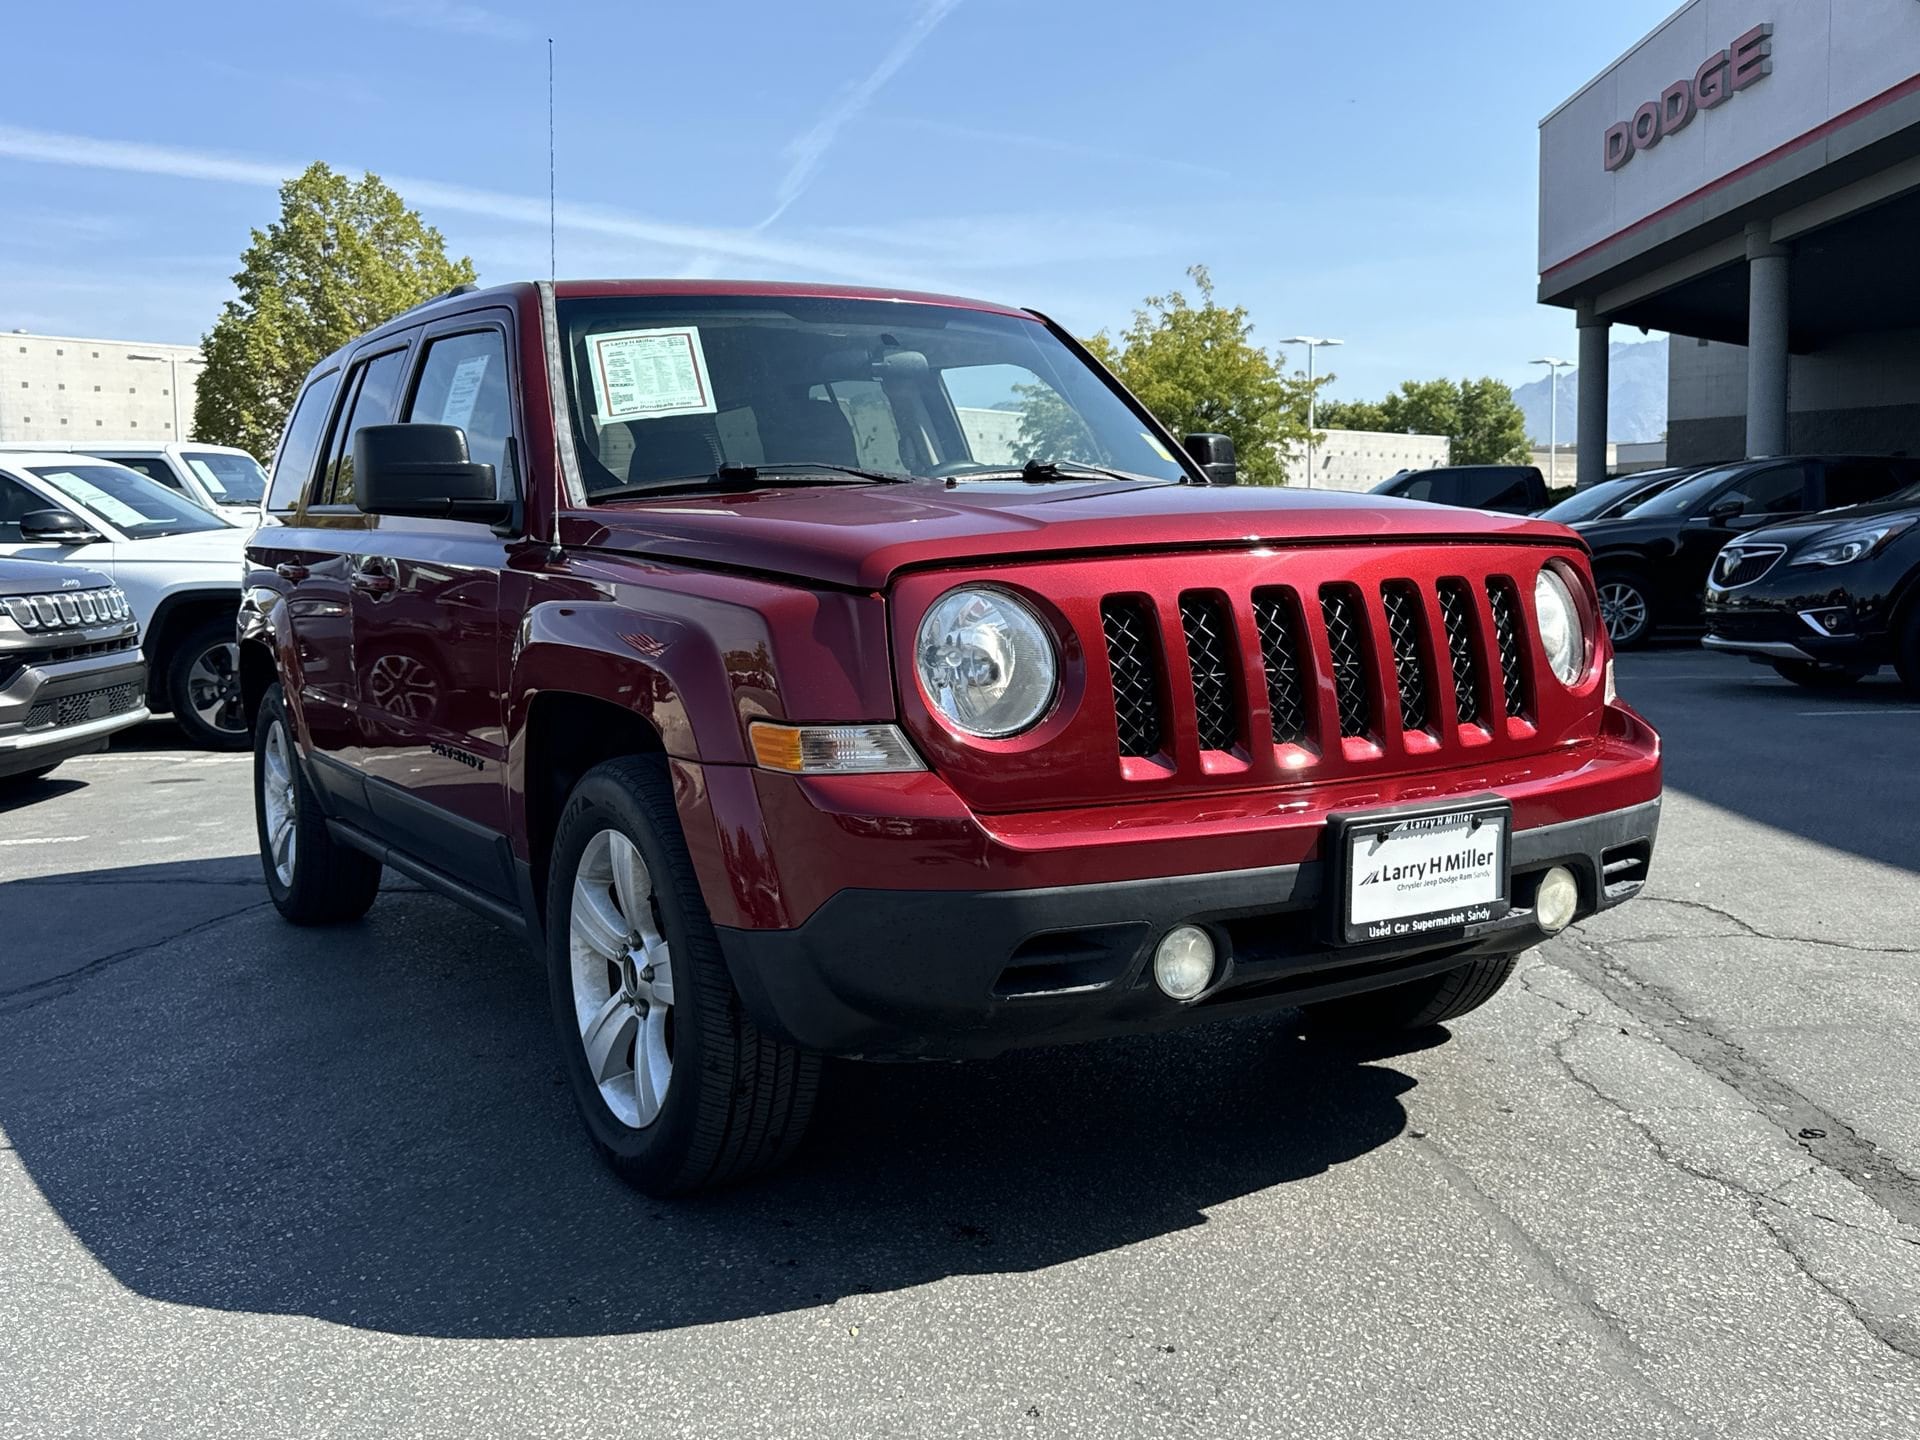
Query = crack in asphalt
x=39 y=992
x=1839 y=1149
x=1748 y=928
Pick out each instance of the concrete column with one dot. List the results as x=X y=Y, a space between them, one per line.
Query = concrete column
x=1767 y=296
x=1595 y=335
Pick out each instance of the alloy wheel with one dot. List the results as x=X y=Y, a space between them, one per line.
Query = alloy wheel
x=213 y=689
x=622 y=979
x=1623 y=609
x=277 y=800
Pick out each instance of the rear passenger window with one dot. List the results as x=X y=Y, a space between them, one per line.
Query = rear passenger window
x=300 y=446
x=1418 y=488
x=1509 y=490
x=463 y=382
x=373 y=404
x=1860 y=482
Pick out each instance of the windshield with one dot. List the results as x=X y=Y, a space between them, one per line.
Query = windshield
x=1595 y=501
x=666 y=388
x=1683 y=497
x=131 y=503
x=230 y=479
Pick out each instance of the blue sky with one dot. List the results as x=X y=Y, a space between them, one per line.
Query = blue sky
x=1362 y=170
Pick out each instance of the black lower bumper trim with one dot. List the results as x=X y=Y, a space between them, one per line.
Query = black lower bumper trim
x=942 y=974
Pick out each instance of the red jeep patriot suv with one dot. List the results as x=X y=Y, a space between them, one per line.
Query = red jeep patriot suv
x=809 y=671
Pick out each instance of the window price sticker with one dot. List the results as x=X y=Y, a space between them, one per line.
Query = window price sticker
x=645 y=374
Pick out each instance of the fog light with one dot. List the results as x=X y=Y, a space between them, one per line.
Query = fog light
x=1556 y=900
x=1183 y=965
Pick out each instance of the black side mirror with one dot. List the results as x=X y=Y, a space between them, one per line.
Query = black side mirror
x=423 y=470
x=62 y=527
x=1723 y=510
x=1214 y=455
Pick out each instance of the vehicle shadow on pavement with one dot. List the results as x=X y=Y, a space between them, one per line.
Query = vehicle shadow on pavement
x=367 y=1125
x=1833 y=767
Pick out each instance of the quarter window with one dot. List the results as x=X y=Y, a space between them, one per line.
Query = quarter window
x=463 y=382
x=300 y=446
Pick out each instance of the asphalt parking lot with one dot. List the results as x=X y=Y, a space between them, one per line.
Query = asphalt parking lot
x=258 y=1181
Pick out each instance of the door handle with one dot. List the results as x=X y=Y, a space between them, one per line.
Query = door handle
x=372 y=582
x=291 y=572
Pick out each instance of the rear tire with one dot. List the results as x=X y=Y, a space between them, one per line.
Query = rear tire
x=203 y=687
x=1416 y=1004
x=1813 y=676
x=312 y=878
x=1626 y=607
x=677 y=1087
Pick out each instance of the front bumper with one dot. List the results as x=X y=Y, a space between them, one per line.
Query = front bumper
x=960 y=974
x=53 y=712
x=1782 y=617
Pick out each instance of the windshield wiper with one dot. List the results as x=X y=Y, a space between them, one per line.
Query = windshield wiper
x=1047 y=472
x=731 y=479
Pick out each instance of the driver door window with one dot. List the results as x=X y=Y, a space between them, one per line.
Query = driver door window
x=1779 y=491
x=463 y=382
x=17 y=500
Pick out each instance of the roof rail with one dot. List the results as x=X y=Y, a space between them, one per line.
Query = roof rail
x=466 y=288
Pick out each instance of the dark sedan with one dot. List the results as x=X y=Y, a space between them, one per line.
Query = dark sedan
x=1651 y=565
x=1827 y=600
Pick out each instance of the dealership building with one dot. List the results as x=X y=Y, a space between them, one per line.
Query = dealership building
x=1747 y=178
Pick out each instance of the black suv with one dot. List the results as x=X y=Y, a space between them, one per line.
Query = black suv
x=1515 y=489
x=1827 y=600
x=1651 y=565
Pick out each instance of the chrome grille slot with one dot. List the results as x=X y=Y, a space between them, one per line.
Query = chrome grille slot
x=1276 y=616
x=1212 y=657
x=1346 y=621
x=1133 y=658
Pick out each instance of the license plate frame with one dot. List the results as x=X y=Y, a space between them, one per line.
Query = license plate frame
x=1416 y=830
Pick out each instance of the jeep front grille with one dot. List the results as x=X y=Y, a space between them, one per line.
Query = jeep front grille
x=67 y=609
x=1401 y=658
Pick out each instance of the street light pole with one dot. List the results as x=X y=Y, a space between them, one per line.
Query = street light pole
x=1313 y=343
x=1555 y=365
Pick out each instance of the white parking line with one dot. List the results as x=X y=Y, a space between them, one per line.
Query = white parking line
x=46 y=840
x=1824 y=714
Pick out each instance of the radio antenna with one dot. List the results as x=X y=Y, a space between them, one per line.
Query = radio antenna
x=553 y=266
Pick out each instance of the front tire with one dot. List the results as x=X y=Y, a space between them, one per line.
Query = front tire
x=312 y=878
x=677 y=1087
x=1417 y=1004
x=203 y=687
x=1626 y=608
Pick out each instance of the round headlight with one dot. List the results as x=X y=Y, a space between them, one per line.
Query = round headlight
x=1561 y=633
x=985 y=662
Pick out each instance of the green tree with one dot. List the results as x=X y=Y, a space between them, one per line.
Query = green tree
x=1196 y=368
x=343 y=257
x=1480 y=417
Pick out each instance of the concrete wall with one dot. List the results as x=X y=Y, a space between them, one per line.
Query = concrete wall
x=991 y=434
x=1361 y=459
x=1860 y=395
x=55 y=387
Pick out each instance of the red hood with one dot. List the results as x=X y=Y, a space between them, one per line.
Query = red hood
x=862 y=536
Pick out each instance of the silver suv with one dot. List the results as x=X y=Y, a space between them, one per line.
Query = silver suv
x=70 y=666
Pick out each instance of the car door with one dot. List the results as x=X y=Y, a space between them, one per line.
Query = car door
x=309 y=578
x=429 y=637
x=1756 y=497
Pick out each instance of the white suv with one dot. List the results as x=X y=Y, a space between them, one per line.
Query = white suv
x=219 y=478
x=178 y=564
